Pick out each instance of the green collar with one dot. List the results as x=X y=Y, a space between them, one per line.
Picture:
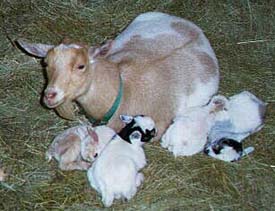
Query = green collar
x=111 y=111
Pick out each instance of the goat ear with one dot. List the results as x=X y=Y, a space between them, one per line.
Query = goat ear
x=35 y=49
x=100 y=51
x=219 y=102
x=126 y=118
x=87 y=142
x=104 y=49
x=93 y=135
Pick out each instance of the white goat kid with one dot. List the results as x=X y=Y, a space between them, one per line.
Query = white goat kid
x=158 y=66
x=245 y=116
x=187 y=135
x=77 y=147
x=115 y=172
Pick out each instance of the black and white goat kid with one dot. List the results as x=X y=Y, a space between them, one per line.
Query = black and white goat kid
x=228 y=150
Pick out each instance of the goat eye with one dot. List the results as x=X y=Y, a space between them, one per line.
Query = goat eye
x=80 y=67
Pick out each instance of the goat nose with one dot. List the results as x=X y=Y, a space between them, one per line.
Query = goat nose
x=50 y=95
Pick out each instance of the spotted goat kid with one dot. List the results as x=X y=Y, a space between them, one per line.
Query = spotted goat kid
x=228 y=150
x=115 y=172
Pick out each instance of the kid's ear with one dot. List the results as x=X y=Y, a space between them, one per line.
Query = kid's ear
x=93 y=135
x=126 y=118
x=219 y=103
x=35 y=49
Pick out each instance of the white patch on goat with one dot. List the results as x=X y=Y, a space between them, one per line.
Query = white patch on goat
x=201 y=95
x=147 y=25
x=62 y=47
x=145 y=123
x=152 y=24
x=187 y=135
x=151 y=16
x=244 y=112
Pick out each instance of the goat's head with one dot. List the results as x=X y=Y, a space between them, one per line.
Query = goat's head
x=68 y=66
x=137 y=128
x=225 y=149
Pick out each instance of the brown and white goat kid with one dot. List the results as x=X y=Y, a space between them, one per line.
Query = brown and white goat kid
x=76 y=147
x=165 y=62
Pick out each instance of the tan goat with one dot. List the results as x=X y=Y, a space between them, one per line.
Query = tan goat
x=165 y=63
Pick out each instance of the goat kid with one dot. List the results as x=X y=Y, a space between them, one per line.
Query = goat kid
x=78 y=146
x=115 y=172
x=245 y=116
x=228 y=150
x=187 y=135
x=158 y=58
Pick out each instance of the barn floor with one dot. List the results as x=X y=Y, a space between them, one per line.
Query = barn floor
x=242 y=35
